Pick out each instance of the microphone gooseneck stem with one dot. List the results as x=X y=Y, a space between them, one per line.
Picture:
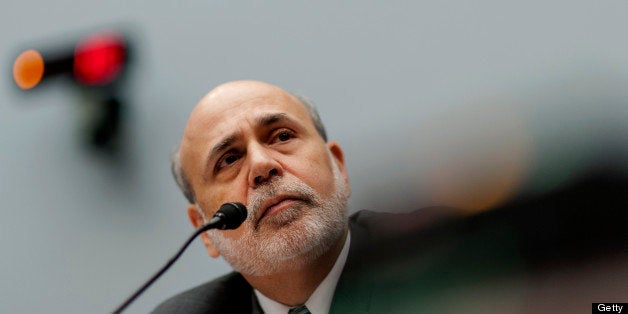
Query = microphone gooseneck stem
x=215 y=222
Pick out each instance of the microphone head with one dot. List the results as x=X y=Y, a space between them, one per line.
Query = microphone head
x=232 y=215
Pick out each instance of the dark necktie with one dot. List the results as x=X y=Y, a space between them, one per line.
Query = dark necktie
x=299 y=310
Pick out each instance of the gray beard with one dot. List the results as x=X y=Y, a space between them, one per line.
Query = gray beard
x=291 y=238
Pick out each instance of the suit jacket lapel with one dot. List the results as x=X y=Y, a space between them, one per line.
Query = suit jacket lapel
x=351 y=295
x=255 y=307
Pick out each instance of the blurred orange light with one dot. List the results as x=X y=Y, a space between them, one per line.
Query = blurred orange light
x=482 y=158
x=28 y=69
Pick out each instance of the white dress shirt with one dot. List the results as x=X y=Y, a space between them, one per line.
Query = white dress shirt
x=320 y=300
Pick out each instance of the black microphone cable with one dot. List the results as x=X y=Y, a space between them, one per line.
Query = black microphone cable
x=229 y=216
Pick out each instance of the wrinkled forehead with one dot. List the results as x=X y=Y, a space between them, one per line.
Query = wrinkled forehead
x=228 y=108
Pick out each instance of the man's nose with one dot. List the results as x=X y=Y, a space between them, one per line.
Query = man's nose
x=263 y=166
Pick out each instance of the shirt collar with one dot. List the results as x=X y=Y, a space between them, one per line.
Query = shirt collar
x=320 y=300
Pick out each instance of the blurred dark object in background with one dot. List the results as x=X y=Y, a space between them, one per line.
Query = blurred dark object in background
x=552 y=253
x=95 y=66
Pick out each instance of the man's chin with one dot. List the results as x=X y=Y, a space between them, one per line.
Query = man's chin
x=283 y=263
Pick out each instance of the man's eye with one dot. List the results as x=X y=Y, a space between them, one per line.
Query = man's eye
x=231 y=159
x=284 y=136
x=228 y=160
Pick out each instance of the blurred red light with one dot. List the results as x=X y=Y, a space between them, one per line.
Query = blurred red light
x=99 y=59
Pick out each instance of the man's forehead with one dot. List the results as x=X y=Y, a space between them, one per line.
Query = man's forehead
x=241 y=92
x=241 y=99
x=223 y=110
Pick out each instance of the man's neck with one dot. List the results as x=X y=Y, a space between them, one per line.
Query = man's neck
x=295 y=286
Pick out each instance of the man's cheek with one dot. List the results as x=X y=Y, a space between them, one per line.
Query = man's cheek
x=215 y=195
x=234 y=234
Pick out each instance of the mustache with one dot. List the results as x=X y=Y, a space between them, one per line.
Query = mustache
x=278 y=187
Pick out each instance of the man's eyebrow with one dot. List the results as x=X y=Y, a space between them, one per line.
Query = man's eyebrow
x=271 y=118
x=222 y=145
x=219 y=148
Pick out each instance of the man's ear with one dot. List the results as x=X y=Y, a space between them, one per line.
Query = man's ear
x=197 y=221
x=339 y=158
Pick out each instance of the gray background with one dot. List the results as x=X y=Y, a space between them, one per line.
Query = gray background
x=407 y=88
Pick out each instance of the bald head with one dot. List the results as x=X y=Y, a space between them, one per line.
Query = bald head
x=237 y=92
x=230 y=101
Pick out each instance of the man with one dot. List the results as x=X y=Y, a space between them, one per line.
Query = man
x=254 y=143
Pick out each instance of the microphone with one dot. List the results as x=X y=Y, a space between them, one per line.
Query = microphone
x=228 y=216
